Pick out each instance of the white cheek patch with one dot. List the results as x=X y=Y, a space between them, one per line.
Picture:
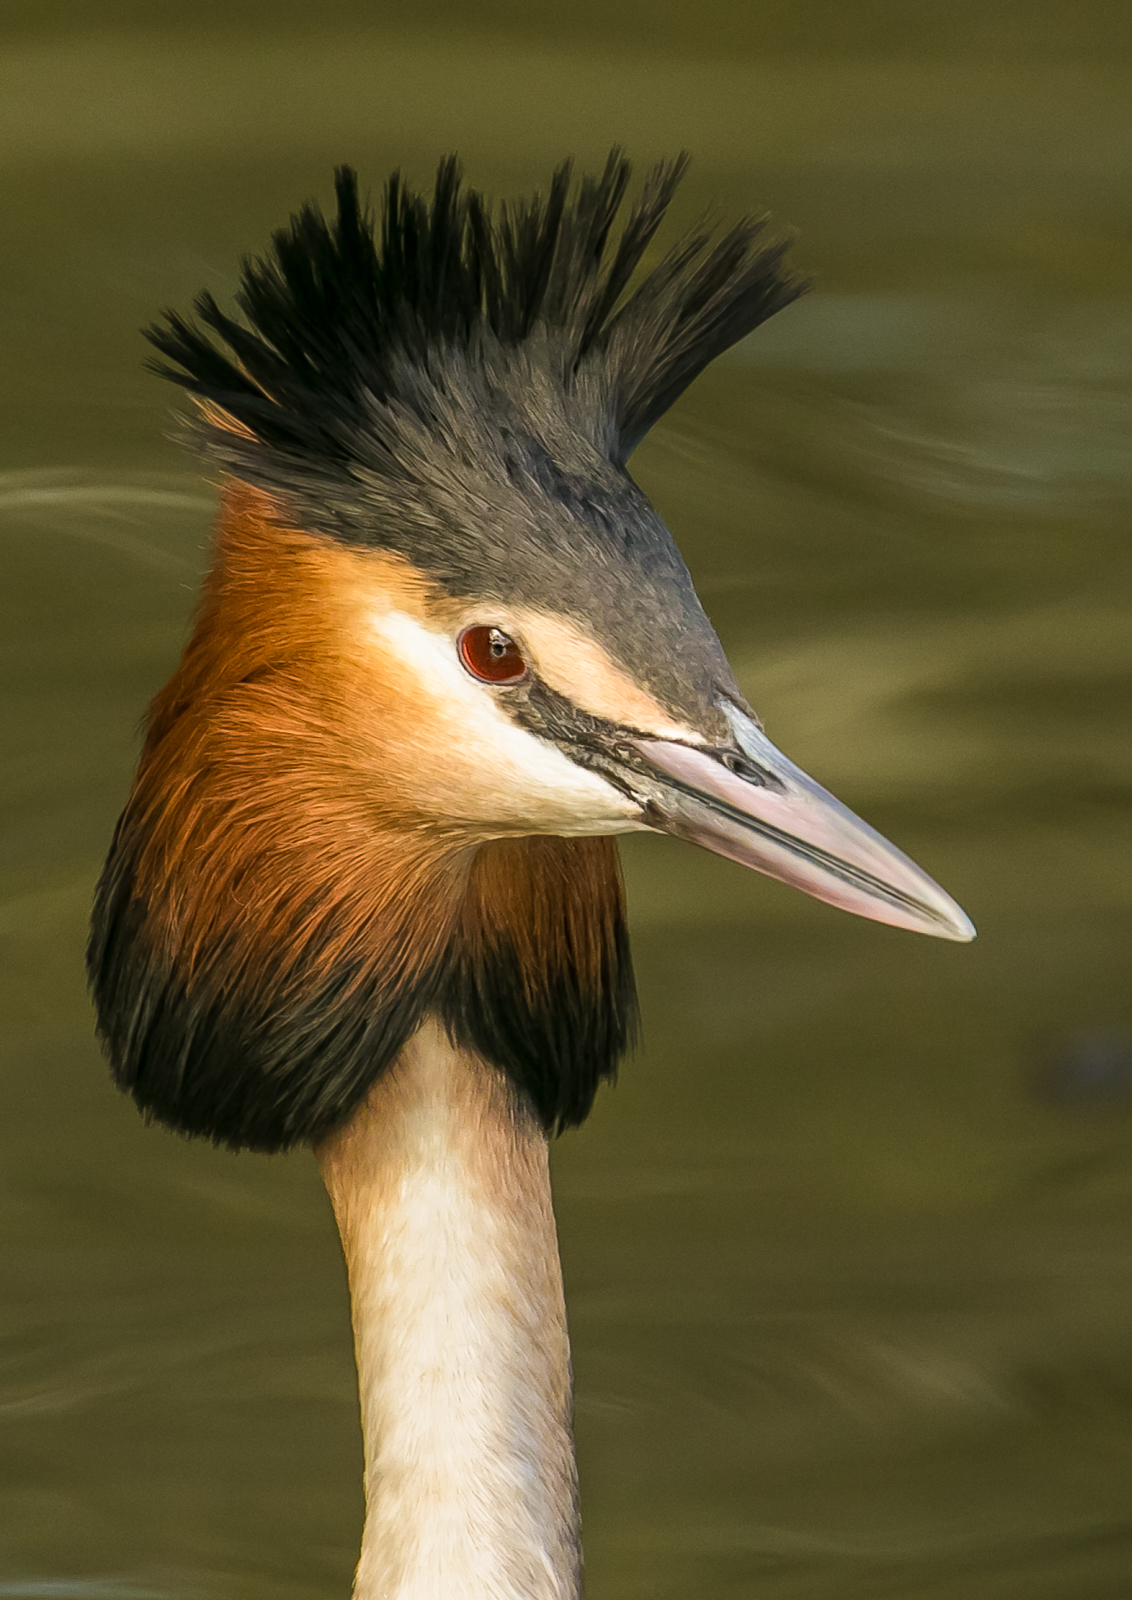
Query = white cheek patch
x=499 y=768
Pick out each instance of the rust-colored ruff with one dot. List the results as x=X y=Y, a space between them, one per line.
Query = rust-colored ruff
x=282 y=906
x=271 y=918
x=266 y=761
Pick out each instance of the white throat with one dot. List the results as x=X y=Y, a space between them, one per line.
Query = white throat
x=441 y=1188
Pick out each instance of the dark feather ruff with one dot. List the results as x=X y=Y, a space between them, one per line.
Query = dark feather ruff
x=252 y=1064
x=284 y=1053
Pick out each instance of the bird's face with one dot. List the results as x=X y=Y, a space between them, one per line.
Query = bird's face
x=506 y=718
x=457 y=732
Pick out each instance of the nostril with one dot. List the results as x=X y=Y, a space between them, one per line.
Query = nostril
x=742 y=768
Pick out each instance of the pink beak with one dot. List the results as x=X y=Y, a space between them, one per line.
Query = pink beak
x=764 y=812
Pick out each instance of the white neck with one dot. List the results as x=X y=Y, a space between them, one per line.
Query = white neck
x=441 y=1188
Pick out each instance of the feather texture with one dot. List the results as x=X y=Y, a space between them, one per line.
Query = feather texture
x=338 y=317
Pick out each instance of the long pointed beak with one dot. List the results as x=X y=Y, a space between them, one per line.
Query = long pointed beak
x=761 y=810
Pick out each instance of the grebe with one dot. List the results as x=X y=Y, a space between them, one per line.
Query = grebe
x=364 y=895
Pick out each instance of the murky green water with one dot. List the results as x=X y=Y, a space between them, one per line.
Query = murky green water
x=848 y=1251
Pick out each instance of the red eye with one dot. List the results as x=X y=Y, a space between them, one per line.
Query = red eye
x=491 y=655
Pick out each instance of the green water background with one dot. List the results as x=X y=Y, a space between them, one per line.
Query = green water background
x=847 y=1251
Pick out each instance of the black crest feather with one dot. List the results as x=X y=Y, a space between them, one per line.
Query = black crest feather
x=335 y=314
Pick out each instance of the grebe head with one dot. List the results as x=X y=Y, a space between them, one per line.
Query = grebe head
x=447 y=647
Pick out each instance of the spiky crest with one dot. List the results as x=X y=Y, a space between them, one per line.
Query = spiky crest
x=333 y=316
